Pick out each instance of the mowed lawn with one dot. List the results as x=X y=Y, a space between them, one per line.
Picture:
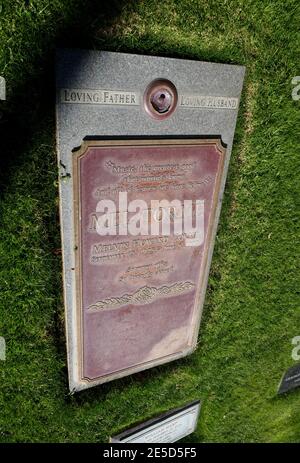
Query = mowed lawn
x=252 y=308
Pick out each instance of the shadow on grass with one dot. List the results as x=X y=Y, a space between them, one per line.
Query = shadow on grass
x=27 y=126
x=29 y=111
x=31 y=95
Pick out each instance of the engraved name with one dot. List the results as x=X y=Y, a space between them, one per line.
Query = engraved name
x=116 y=252
x=208 y=102
x=102 y=97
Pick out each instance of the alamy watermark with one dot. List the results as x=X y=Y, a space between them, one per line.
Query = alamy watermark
x=2 y=348
x=2 y=88
x=296 y=350
x=296 y=89
x=160 y=217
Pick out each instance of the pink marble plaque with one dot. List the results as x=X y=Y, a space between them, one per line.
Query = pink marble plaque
x=139 y=296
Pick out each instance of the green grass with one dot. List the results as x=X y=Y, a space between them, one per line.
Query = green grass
x=252 y=308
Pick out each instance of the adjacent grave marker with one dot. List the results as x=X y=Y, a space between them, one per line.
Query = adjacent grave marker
x=290 y=380
x=143 y=147
x=166 y=428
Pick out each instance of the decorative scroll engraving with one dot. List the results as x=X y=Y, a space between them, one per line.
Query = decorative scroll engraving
x=144 y=295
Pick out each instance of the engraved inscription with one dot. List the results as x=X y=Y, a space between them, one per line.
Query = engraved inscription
x=127 y=98
x=208 y=102
x=114 y=252
x=102 y=97
x=146 y=271
x=163 y=185
x=120 y=169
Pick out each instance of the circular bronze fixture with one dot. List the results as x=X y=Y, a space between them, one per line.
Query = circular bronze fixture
x=160 y=98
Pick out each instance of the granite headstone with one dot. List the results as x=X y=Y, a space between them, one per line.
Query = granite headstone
x=135 y=131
